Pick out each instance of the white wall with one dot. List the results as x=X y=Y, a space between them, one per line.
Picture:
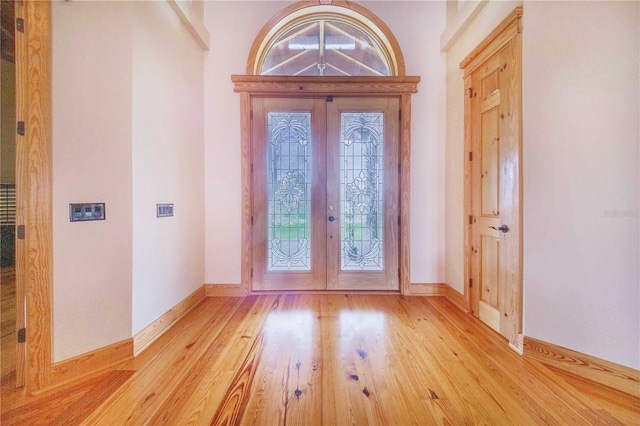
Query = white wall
x=581 y=147
x=233 y=27
x=128 y=131
x=168 y=167
x=581 y=180
x=91 y=163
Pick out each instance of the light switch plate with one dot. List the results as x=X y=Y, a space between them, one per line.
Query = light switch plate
x=164 y=210
x=82 y=212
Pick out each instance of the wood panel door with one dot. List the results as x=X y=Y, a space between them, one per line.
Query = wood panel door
x=495 y=192
x=325 y=193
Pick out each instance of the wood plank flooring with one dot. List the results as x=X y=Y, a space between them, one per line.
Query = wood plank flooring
x=327 y=360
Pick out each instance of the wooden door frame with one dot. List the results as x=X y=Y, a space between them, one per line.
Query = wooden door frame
x=250 y=86
x=34 y=253
x=509 y=30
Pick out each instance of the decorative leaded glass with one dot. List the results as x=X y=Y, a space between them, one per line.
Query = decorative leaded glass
x=361 y=191
x=289 y=191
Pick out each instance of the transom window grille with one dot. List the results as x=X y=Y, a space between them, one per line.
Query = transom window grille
x=326 y=46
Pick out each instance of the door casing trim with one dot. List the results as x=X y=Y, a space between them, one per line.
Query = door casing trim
x=509 y=30
x=250 y=86
x=34 y=253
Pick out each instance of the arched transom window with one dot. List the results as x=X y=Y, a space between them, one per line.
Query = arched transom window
x=326 y=40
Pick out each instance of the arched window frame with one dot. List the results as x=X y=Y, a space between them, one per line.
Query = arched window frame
x=343 y=10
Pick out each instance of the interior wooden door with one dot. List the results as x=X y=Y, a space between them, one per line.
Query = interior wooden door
x=495 y=192
x=325 y=193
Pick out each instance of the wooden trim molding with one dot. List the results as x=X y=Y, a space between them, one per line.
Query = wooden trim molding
x=225 y=290
x=250 y=86
x=337 y=7
x=110 y=356
x=404 y=250
x=418 y=289
x=468 y=243
x=34 y=165
x=22 y=200
x=425 y=289
x=586 y=367
x=497 y=39
x=92 y=362
x=353 y=86
x=157 y=328
x=456 y=298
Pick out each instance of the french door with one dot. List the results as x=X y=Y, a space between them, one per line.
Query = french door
x=325 y=193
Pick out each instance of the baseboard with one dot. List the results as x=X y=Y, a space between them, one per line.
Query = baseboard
x=456 y=298
x=91 y=362
x=226 y=290
x=421 y=289
x=157 y=328
x=585 y=367
x=439 y=289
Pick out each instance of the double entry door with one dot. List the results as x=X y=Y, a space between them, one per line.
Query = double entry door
x=325 y=193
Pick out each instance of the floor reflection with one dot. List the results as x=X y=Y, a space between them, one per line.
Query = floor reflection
x=361 y=332
x=360 y=323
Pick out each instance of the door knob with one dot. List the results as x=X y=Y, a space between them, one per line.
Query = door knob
x=331 y=218
x=503 y=228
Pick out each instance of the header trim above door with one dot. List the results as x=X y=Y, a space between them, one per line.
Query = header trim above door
x=351 y=86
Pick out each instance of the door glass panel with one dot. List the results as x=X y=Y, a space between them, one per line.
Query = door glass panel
x=361 y=191
x=289 y=191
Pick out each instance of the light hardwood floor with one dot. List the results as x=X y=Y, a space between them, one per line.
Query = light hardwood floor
x=331 y=360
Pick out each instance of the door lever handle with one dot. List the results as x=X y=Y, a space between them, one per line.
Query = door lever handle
x=503 y=228
x=331 y=218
